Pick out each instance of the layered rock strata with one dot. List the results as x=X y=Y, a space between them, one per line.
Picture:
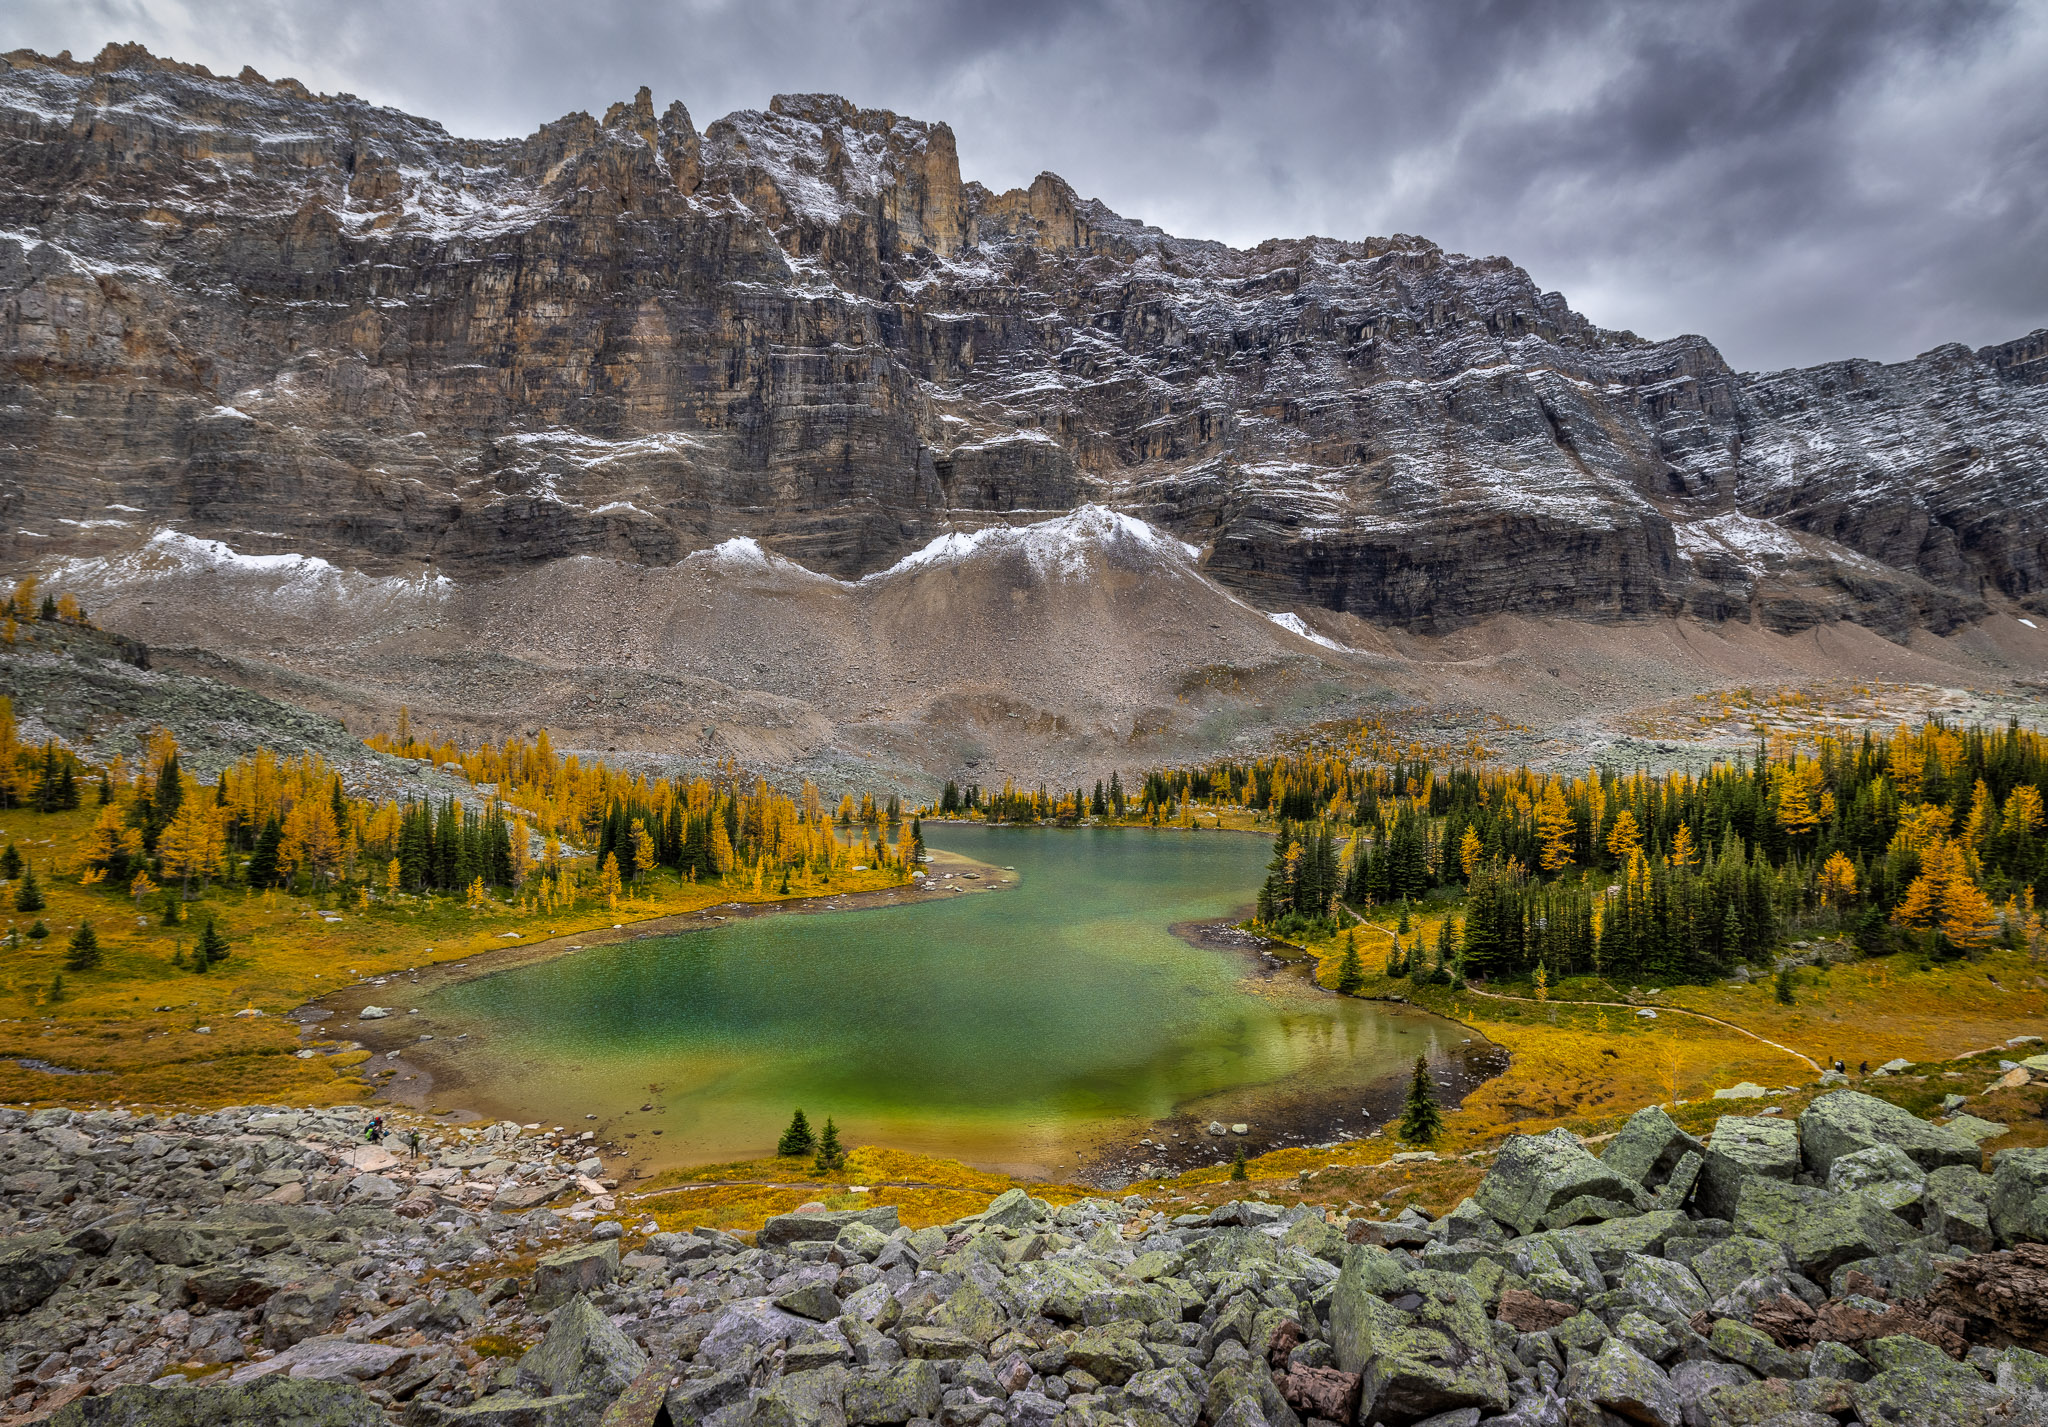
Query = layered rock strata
x=303 y=323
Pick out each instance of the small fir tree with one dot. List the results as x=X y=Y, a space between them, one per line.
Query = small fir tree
x=56 y=987
x=1350 y=975
x=28 y=897
x=1403 y=927
x=84 y=953
x=1237 y=1166
x=40 y=930
x=1421 y=1121
x=797 y=1140
x=212 y=946
x=831 y=1157
x=10 y=863
x=1784 y=991
x=174 y=908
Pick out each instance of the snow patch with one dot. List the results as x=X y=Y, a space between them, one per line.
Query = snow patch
x=1058 y=548
x=745 y=552
x=2028 y=623
x=1294 y=624
x=170 y=554
x=1749 y=541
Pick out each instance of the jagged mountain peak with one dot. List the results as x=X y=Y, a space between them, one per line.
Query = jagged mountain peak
x=621 y=337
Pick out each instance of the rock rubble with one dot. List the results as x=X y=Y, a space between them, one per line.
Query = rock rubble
x=265 y=1266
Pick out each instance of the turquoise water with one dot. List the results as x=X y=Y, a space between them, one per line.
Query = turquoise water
x=1004 y=1027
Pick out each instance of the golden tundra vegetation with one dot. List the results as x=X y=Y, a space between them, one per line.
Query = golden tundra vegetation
x=215 y=908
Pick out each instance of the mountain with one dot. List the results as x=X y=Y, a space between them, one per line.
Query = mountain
x=496 y=404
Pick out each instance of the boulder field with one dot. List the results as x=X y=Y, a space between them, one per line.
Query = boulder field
x=1856 y=1265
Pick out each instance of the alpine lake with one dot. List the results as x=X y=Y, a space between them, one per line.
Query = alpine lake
x=1081 y=989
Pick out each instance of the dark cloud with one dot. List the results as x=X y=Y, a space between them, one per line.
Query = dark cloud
x=1797 y=179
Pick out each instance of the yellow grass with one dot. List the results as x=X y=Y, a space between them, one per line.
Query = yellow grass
x=282 y=953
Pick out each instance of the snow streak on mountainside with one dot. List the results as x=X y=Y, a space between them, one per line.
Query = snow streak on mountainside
x=302 y=324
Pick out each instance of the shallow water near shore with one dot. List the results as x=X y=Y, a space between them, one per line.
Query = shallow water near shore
x=1016 y=1029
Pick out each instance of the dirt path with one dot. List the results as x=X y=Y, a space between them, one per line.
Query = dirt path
x=1660 y=1010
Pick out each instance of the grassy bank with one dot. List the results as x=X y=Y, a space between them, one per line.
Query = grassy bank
x=130 y=1028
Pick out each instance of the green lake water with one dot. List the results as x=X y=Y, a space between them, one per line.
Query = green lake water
x=1008 y=1028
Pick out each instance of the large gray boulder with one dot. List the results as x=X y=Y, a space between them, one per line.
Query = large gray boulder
x=814 y=1397
x=1624 y=1382
x=1842 y=1122
x=2019 y=1196
x=1648 y=1147
x=1744 y=1145
x=1534 y=1174
x=909 y=1390
x=785 y=1229
x=583 y=1352
x=301 y=1310
x=32 y=1267
x=1819 y=1230
x=271 y=1402
x=562 y=1275
x=1414 y=1363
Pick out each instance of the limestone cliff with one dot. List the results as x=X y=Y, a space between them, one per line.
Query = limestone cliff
x=301 y=323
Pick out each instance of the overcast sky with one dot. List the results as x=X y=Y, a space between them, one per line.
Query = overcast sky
x=1799 y=180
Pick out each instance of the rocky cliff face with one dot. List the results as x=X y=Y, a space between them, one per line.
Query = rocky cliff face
x=303 y=323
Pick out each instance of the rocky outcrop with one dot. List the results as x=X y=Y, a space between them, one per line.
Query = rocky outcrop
x=302 y=323
x=174 y=1245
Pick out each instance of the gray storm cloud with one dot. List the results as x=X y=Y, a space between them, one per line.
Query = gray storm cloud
x=1799 y=180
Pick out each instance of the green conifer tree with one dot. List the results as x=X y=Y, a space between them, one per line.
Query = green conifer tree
x=212 y=946
x=40 y=930
x=1421 y=1121
x=1350 y=975
x=1237 y=1165
x=56 y=992
x=1784 y=990
x=10 y=863
x=1402 y=927
x=28 y=897
x=84 y=953
x=797 y=1140
x=831 y=1157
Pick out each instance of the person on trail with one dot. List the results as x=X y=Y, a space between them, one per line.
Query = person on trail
x=1864 y=1068
x=413 y=1139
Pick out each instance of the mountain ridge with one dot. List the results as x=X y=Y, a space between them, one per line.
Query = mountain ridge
x=309 y=326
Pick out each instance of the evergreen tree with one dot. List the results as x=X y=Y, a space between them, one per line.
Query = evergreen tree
x=57 y=987
x=1421 y=1121
x=1403 y=926
x=40 y=930
x=49 y=610
x=917 y=839
x=1784 y=989
x=28 y=897
x=67 y=789
x=1237 y=1165
x=262 y=869
x=797 y=1139
x=1350 y=975
x=84 y=954
x=174 y=909
x=212 y=946
x=831 y=1157
x=10 y=863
